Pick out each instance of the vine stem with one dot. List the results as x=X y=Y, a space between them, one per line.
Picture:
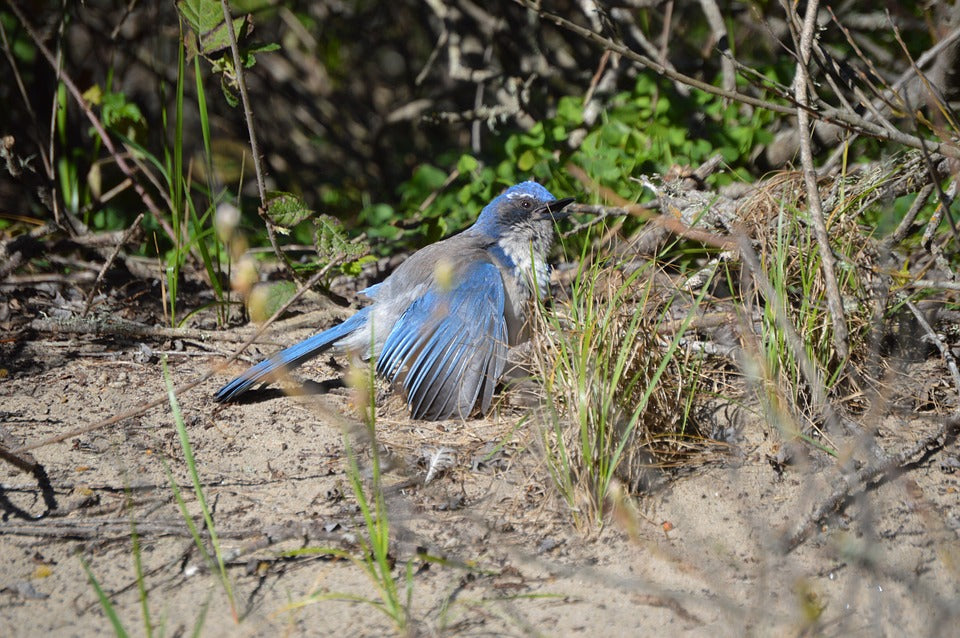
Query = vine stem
x=254 y=147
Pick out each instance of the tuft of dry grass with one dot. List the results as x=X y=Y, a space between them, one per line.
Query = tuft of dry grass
x=618 y=395
x=777 y=222
x=624 y=359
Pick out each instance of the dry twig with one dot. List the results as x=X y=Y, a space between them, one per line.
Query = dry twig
x=109 y=262
x=827 y=260
x=254 y=148
x=887 y=468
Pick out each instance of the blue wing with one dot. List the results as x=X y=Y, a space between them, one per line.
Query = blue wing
x=291 y=357
x=449 y=348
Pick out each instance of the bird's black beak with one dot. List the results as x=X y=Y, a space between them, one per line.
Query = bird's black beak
x=554 y=210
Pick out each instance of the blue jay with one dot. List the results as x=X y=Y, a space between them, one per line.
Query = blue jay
x=441 y=324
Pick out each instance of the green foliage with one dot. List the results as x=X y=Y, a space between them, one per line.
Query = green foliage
x=208 y=36
x=286 y=210
x=379 y=221
x=116 y=113
x=332 y=245
x=647 y=130
x=208 y=28
x=618 y=395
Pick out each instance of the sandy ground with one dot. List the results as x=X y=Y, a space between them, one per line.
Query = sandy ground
x=702 y=557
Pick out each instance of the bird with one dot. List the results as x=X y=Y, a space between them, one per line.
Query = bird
x=441 y=324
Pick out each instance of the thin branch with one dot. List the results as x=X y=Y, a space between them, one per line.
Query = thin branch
x=109 y=262
x=904 y=226
x=118 y=328
x=886 y=97
x=254 y=147
x=653 y=65
x=827 y=260
x=932 y=283
x=840 y=117
x=667 y=221
x=947 y=114
x=721 y=40
x=889 y=467
x=945 y=352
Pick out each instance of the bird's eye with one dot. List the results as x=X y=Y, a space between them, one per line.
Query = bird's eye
x=526 y=204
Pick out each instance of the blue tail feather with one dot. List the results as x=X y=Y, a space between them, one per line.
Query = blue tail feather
x=290 y=358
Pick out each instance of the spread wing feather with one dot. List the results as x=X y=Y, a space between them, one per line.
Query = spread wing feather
x=449 y=347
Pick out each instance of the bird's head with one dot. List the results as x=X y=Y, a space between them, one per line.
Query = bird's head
x=524 y=212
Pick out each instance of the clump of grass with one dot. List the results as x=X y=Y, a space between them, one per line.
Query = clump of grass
x=790 y=258
x=376 y=560
x=619 y=396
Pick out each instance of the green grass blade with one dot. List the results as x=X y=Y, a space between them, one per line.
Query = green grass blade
x=197 y=485
x=105 y=603
x=201 y=618
x=141 y=583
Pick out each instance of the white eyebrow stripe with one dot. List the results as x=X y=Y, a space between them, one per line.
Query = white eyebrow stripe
x=519 y=196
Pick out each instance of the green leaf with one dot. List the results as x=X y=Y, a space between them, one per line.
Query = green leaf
x=209 y=29
x=228 y=94
x=535 y=137
x=331 y=241
x=286 y=209
x=571 y=110
x=248 y=55
x=510 y=147
x=426 y=179
x=467 y=164
x=355 y=268
x=116 y=109
x=526 y=161
x=201 y=15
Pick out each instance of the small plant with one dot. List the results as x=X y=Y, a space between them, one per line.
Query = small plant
x=790 y=259
x=618 y=395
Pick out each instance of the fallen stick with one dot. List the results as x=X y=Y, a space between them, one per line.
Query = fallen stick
x=886 y=469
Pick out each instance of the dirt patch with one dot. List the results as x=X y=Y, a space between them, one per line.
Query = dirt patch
x=704 y=556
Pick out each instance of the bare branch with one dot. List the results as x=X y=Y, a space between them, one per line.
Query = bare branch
x=827 y=260
x=254 y=149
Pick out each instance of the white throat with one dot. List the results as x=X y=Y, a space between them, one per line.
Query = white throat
x=529 y=266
